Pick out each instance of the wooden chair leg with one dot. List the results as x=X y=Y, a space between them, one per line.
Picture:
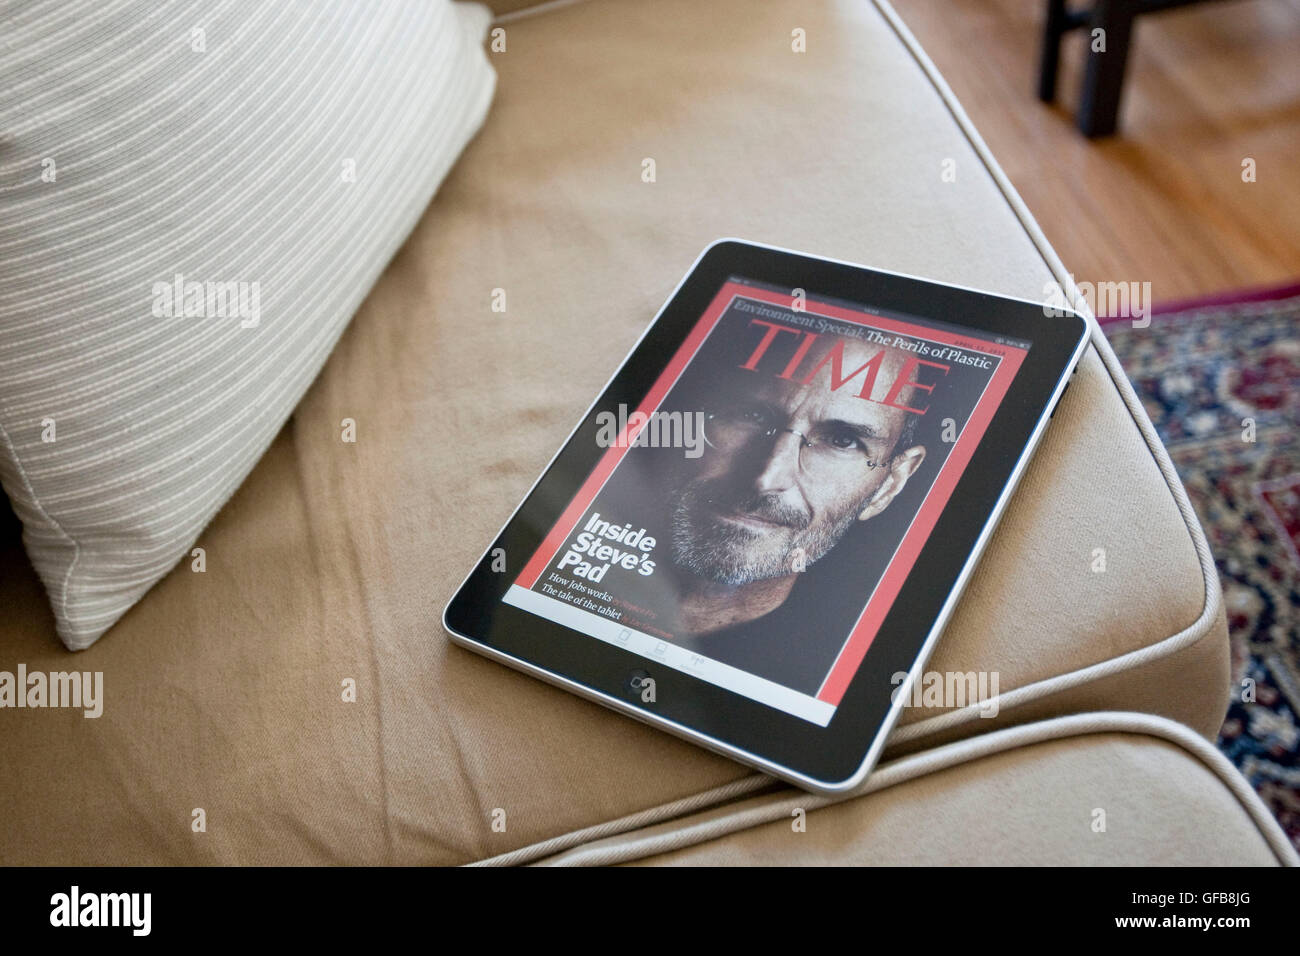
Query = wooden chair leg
x=1103 y=80
x=1050 y=55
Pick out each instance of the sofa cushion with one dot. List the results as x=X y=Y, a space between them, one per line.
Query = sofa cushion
x=1104 y=789
x=193 y=203
x=333 y=562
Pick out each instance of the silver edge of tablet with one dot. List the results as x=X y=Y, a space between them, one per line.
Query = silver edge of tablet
x=903 y=692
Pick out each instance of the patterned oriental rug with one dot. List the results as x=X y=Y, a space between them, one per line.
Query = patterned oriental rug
x=1220 y=379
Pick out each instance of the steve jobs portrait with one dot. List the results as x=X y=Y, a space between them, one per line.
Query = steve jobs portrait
x=792 y=463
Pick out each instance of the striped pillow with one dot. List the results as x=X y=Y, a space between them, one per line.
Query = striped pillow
x=194 y=199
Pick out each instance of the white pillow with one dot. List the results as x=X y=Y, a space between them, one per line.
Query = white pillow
x=276 y=153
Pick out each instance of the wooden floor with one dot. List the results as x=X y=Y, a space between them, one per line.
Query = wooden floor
x=1163 y=201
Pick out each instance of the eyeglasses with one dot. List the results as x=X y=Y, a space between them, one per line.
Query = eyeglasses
x=825 y=450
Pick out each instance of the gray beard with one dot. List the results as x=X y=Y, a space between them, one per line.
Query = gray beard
x=730 y=554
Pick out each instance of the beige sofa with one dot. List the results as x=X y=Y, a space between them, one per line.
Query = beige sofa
x=334 y=561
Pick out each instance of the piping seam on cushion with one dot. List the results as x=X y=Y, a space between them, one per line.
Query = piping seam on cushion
x=948 y=756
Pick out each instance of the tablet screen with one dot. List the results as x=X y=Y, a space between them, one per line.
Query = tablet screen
x=752 y=520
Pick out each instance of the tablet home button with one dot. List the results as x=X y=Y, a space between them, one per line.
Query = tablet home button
x=635 y=685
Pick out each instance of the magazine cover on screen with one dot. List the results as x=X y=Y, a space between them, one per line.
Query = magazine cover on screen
x=752 y=520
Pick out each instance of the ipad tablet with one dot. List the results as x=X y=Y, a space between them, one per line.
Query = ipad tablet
x=755 y=534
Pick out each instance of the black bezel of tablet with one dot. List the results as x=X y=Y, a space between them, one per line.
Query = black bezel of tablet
x=825 y=758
